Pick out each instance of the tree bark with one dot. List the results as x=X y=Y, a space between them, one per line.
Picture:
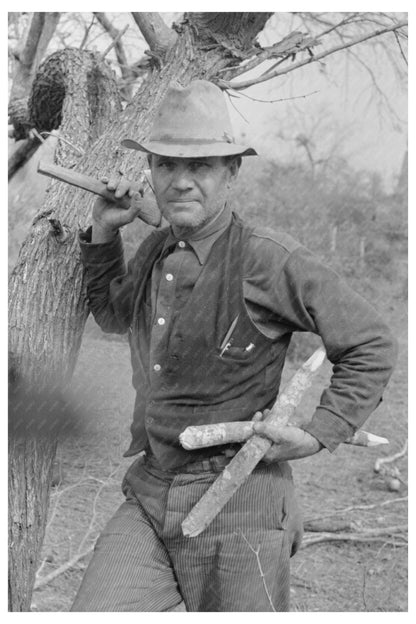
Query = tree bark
x=47 y=314
x=47 y=301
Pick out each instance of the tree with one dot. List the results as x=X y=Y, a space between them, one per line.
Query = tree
x=25 y=58
x=76 y=91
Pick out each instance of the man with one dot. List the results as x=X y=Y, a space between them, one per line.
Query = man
x=210 y=304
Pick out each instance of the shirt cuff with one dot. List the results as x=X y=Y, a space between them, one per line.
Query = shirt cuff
x=96 y=253
x=328 y=428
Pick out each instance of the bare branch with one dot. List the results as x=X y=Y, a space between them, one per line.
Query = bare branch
x=369 y=535
x=40 y=33
x=253 y=99
x=346 y=20
x=21 y=155
x=400 y=48
x=159 y=37
x=48 y=578
x=312 y=59
x=115 y=35
x=261 y=572
x=87 y=32
x=28 y=53
x=291 y=44
x=390 y=458
x=83 y=551
x=93 y=518
x=116 y=44
x=391 y=501
x=378 y=91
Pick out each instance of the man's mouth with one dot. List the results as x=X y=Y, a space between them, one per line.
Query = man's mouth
x=182 y=201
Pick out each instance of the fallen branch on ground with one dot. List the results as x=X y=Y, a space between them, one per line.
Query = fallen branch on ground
x=83 y=551
x=345 y=510
x=390 y=458
x=48 y=578
x=368 y=535
x=329 y=525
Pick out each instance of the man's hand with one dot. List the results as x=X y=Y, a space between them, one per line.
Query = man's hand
x=107 y=217
x=289 y=442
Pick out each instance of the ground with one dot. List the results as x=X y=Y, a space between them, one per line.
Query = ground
x=329 y=576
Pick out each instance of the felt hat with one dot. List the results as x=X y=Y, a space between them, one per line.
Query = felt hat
x=192 y=122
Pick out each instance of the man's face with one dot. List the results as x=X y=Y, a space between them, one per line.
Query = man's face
x=190 y=192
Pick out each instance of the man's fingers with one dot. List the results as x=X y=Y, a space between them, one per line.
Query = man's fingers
x=113 y=181
x=270 y=431
x=257 y=417
x=123 y=187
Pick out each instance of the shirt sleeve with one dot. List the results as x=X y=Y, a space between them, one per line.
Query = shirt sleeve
x=109 y=282
x=309 y=296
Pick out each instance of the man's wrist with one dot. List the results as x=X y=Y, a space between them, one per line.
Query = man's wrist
x=100 y=234
x=313 y=443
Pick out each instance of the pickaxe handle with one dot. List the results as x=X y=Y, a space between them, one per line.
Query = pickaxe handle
x=150 y=212
x=244 y=462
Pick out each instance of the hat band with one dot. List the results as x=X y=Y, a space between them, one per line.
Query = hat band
x=188 y=141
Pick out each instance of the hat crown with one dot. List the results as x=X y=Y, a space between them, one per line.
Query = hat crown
x=191 y=122
x=196 y=113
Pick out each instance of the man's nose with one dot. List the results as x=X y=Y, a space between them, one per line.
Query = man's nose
x=182 y=179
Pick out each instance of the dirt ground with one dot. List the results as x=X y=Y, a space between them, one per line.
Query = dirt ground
x=331 y=576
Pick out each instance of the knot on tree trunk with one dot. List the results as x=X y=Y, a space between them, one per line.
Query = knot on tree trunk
x=234 y=33
x=57 y=78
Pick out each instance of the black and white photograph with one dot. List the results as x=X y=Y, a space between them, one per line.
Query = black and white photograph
x=208 y=311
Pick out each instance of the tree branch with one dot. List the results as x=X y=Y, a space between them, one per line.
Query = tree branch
x=28 y=52
x=40 y=33
x=369 y=535
x=291 y=44
x=114 y=33
x=159 y=37
x=21 y=155
x=312 y=59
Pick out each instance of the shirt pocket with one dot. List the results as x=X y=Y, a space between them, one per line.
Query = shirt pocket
x=237 y=354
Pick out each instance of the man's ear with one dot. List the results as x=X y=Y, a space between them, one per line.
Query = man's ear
x=149 y=160
x=235 y=165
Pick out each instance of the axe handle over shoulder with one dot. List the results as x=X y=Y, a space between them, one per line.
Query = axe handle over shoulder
x=150 y=213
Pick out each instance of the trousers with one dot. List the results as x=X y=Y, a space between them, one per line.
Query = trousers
x=240 y=562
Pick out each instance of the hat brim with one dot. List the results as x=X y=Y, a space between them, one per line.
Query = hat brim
x=182 y=150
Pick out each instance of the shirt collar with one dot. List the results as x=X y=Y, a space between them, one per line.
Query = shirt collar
x=203 y=240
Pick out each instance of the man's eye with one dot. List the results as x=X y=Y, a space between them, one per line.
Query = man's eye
x=197 y=165
x=166 y=164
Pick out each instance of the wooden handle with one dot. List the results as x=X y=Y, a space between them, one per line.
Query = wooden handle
x=203 y=436
x=150 y=212
x=247 y=458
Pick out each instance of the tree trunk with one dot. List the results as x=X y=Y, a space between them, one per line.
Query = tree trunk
x=47 y=315
x=47 y=301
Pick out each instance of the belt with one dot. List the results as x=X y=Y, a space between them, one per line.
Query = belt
x=216 y=463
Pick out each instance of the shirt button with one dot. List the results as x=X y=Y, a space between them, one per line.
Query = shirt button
x=181 y=244
x=161 y=321
x=169 y=277
x=157 y=367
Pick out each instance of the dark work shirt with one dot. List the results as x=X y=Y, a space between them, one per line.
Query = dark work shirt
x=286 y=289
